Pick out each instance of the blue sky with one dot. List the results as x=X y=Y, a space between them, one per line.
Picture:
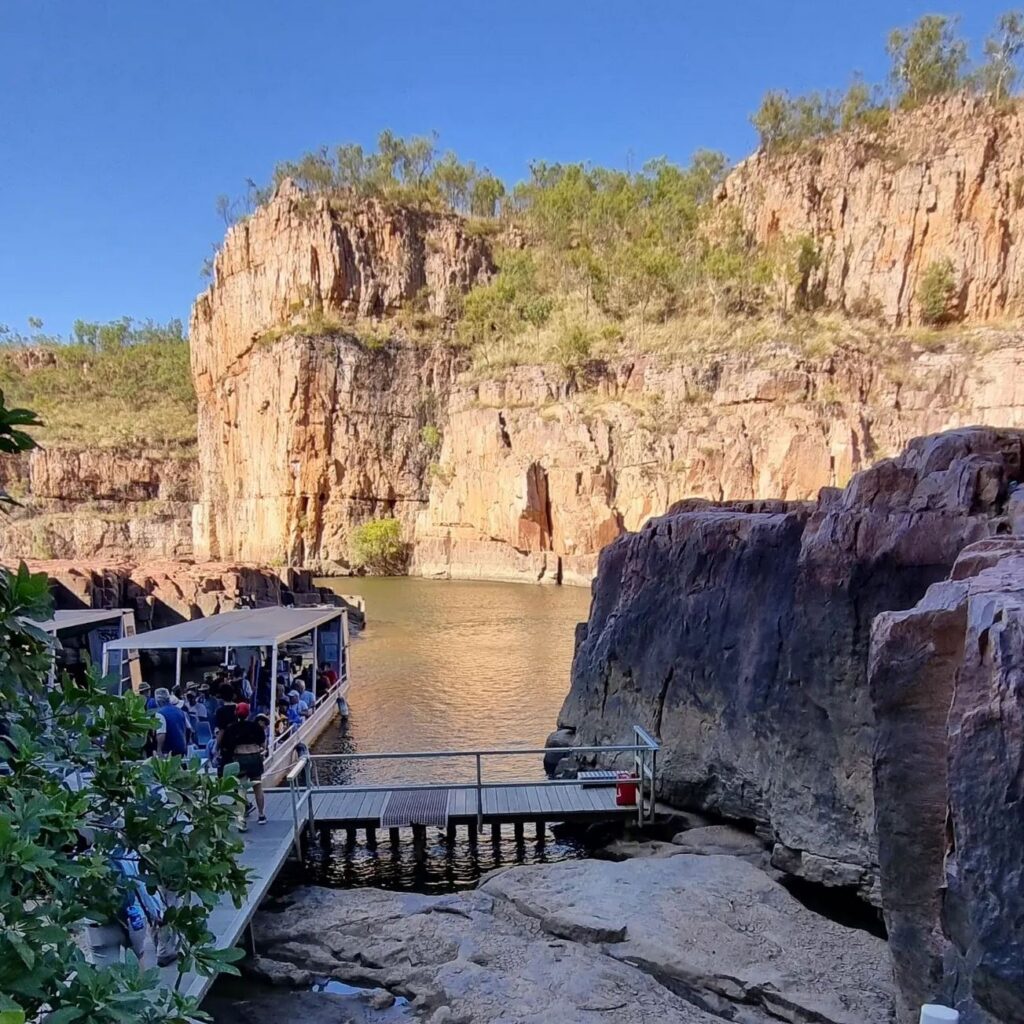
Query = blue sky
x=122 y=121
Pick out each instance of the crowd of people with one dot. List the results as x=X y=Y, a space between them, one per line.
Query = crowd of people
x=229 y=717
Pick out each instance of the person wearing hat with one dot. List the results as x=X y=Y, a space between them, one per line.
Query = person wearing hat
x=146 y=694
x=172 y=726
x=244 y=743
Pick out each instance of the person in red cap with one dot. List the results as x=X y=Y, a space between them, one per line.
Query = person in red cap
x=244 y=743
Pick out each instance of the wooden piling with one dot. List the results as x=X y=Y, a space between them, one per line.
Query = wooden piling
x=419 y=841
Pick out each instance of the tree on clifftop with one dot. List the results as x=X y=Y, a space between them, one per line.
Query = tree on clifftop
x=998 y=75
x=927 y=60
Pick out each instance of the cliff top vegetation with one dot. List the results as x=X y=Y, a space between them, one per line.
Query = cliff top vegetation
x=597 y=261
x=106 y=384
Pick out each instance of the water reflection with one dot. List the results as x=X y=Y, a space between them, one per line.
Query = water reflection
x=448 y=665
x=446 y=867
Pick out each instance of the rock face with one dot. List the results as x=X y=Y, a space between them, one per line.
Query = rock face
x=740 y=639
x=946 y=685
x=941 y=182
x=100 y=502
x=307 y=437
x=302 y=437
x=688 y=939
x=300 y=258
x=164 y=593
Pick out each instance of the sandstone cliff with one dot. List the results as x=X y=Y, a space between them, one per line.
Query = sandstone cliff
x=945 y=181
x=303 y=432
x=739 y=637
x=538 y=472
x=100 y=502
x=306 y=431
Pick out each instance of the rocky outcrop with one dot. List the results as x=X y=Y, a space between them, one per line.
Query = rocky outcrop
x=301 y=259
x=535 y=472
x=100 y=503
x=941 y=182
x=740 y=639
x=688 y=939
x=164 y=593
x=945 y=680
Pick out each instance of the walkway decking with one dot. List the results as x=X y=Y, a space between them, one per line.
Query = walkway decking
x=360 y=808
x=266 y=849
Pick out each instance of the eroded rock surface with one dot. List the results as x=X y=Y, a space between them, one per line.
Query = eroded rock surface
x=740 y=639
x=947 y=683
x=688 y=939
x=164 y=593
x=100 y=503
x=940 y=182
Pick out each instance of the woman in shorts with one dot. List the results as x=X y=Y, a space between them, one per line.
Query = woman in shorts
x=244 y=743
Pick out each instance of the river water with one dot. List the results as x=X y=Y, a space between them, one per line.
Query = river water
x=446 y=665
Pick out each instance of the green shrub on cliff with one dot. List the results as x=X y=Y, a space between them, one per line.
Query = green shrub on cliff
x=935 y=291
x=107 y=383
x=377 y=547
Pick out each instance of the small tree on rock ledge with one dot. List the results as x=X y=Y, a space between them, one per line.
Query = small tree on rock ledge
x=935 y=291
x=377 y=547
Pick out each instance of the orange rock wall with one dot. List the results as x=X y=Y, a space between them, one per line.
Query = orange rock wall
x=945 y=181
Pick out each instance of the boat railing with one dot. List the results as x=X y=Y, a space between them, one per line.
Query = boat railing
x=643 y=751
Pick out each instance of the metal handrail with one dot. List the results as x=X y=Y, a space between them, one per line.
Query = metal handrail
x=394 y=787
x=644 y=751
x=629 y=748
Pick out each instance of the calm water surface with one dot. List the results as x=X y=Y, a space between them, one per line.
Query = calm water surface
x=446 y=665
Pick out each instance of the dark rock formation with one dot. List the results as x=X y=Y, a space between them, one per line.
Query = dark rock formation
x=740 y=639
x=947 y=683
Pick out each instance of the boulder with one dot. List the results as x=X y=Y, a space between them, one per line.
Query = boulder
x=720 y=839
x=945 y=681
x=740 y=640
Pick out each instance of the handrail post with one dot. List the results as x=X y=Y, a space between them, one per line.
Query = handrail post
x=639 y=764
x=295 y=817
x=310 y=815
x=479 y=795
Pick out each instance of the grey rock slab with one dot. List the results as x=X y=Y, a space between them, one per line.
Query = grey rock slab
x=715 y=929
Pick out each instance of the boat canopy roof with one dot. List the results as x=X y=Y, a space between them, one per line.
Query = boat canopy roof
x=76 y=618
x=247 y=627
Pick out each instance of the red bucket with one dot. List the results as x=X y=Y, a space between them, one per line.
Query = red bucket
x=626 y=790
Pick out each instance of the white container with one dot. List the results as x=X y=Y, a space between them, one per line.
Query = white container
x=932 y=1013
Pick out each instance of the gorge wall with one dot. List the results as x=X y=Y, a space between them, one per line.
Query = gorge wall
x=945 y=181
x=305 y=430
x=809 y=670
x=330 y=392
